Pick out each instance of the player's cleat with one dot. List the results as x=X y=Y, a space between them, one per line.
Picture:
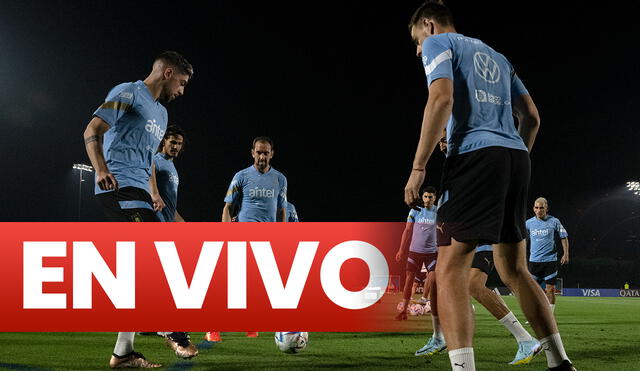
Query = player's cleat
x=143 y=333
x=213 y=336
x=402 y=316
x=564 y=366
x=433 y=347
x=252 y=334
x=131 y=360
x=526 y=351
x=422 y=300
x=179 y=342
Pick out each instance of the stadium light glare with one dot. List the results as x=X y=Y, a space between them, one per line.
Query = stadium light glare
x=634 y=186
x=82 y=168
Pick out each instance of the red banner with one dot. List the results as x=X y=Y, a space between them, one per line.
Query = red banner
x=199 y=276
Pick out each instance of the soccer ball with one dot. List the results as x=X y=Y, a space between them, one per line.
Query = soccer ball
x=416 y=310
x=291 y=342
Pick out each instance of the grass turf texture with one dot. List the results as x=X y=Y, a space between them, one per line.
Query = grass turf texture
x=599 y=334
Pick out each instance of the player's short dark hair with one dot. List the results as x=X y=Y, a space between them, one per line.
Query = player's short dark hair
x=428 y=189
x=173 y=130
x=432 y=9
x=177 y=61
x=262 y=139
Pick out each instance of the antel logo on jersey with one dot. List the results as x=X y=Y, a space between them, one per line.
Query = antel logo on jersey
x=154 y=129
x=539 y=232
x=426 y=221
x=486 y=67
x=262 y=192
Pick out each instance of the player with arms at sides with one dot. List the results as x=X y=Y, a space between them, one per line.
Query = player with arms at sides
x=476 y=90
x=167 y=177
x=542 y=230
x=121 y=140
x=418 y=245
x=261 y=192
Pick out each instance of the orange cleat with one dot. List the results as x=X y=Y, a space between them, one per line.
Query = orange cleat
x=213 y=336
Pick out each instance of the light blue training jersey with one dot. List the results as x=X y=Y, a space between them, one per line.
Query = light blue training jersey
x=542 y=234
x=260 y=195
x=423 y=238
x=484 y=84
x=168 y=181
x=137 y=124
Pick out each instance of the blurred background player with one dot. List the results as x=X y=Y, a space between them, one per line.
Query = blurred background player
x=121 y=140
x=167 y=177
x=542 y=230
x=261 y=193
x=476 y=90
x=418 y=244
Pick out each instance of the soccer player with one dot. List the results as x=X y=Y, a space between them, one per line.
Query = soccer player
x=261 y=193
x=167 y=178
x=485 y=179
x=121 y=140
x=418 y=244
x=542 y=231
x=292 y=214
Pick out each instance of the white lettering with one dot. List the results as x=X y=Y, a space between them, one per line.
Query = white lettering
x=284 y=296
x=188 y=296
x=330 y=273
x=87 y=262
x=34 y=274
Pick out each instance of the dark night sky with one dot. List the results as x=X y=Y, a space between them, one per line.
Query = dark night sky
x=336 y=84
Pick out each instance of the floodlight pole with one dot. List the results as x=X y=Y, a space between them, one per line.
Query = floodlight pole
x=81 y=168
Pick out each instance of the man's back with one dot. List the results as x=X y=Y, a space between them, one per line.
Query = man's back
x=484 y=83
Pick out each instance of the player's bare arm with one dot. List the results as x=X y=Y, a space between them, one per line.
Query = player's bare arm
x=178 y=218
x=226 y=213
x=565 y=255
x=93 y=144
x=436 y=114
x=158 y=203
x=405 y=242
x=283 y=214
x=528 y=119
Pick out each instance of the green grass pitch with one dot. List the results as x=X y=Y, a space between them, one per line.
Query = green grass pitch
x=599 y=334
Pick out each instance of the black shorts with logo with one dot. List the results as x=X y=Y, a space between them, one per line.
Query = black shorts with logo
x=128 y=204
x=415 y=261
x=544 y=271
x=483 y=196
x=483 y=260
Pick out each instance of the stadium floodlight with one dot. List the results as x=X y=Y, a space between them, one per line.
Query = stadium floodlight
x=634 y=186
x=82 y=168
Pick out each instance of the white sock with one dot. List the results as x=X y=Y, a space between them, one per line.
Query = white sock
x=437 y=331
x=124 y=344
x=553 y=307
x=554 y=350
x=515 y=327
x=462 y=359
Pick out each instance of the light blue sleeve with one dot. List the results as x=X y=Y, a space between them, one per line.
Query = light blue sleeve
x=517 y=87
x=412 y=216
x=235 y=189
x=560 y=229
x=118 y=102
x=282 y=196
x=437 y=59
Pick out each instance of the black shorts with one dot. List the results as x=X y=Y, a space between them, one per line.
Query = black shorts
x=544 y=272
x=483 y=260
x=483 y=196
x=415 y=261
x=128 y=204
x=420 y=277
